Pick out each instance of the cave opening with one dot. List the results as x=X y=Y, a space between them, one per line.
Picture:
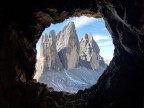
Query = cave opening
x=120 y=86
x=52 y=67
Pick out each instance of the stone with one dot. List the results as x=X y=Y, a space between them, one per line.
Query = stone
x=102 y=62
x=49 y=59
x=89 y=52
x=68 y=46
x=68 y=52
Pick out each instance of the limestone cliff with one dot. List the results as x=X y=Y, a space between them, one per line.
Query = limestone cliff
x=68 y=46
x=49 y=59
x=89 y=52
x=66 y=52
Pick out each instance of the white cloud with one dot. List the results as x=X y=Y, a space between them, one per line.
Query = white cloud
x=81 y=21
x=107 y=43
x=101 y=37
x=107 y=61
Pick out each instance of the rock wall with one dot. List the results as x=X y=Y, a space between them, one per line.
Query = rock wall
x=49 y=59
x=65 y=51
x=89 y=52
x=68 y=46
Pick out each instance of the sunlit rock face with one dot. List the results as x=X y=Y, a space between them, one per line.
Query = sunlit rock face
x=68 y=46
x=71 y=79
x=89 y=52
x=65 y=51
x=49 y=59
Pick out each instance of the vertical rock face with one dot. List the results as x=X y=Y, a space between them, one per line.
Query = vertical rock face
x=89 y=52
x=65 y=51
x=68 y=46
x=42 y=58
x=49 y=58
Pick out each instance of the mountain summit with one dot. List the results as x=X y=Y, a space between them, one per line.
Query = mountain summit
x=89 y=52
x=64 y=51
x=68 y=46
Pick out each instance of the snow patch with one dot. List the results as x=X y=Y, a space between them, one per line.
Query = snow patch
x=71 y=80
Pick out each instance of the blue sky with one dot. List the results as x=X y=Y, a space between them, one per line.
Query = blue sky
x=84 y=25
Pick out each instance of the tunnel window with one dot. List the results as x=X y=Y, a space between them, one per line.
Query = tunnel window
x=78 y=51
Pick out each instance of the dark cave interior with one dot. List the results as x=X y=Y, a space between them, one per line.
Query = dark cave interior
x=22 y=22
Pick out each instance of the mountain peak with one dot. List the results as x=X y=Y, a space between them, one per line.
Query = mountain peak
x=52 y=34
x=66 y=52
x=89 y=36
x=68 y=46
x=89 y=52
x=49 y=59
x=69 y=26
x=71 y=23
x=66 y=35
x=44 y=38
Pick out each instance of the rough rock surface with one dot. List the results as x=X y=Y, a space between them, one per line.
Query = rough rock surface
x=49 y=59
x=89 y=52
x=68 y=46
x=121 y=85
x=68 y=54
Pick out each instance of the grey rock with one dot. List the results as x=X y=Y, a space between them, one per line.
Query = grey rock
x=68 y=46
x=49 y=58
x=65 y=51
x=89 y=52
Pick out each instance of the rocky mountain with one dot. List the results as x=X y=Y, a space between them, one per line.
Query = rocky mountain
x=89 y=52
x=49 y=59
x=68 y=46
x=64 y=51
